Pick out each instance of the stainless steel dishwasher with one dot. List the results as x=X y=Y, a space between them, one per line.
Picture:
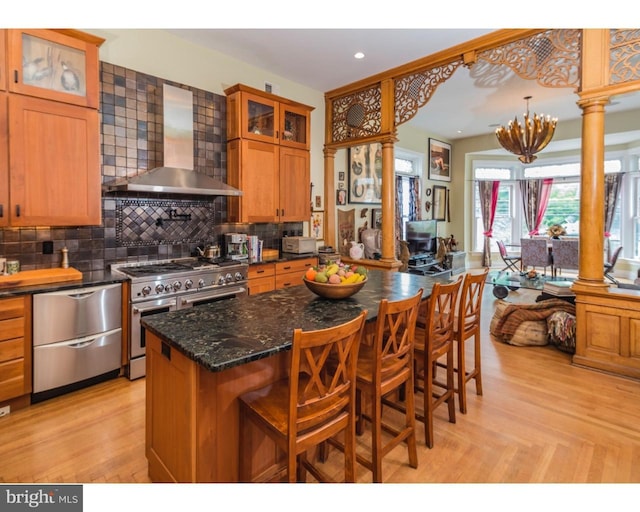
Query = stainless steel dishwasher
x=77 y=338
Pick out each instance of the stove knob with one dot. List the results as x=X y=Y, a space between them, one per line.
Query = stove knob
x=177 y=285
x=229 y=278
x=159 y=288
x=146 y=290
x=188 y=284
x=168 y=288
x=239 y=276
x=221 y=280
x=201 y=283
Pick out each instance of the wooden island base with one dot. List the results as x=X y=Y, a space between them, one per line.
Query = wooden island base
x=192 y=416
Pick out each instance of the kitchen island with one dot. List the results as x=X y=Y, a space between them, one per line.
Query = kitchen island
x=199 y=360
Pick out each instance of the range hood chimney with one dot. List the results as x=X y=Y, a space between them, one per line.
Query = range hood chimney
x=176 y=176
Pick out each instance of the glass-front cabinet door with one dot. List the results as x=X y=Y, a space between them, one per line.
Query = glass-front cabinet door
x=260 y=118
x=52 y=65
x=294 y=128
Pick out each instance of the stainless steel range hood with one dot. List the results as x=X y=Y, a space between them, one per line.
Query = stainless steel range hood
x=176 y=176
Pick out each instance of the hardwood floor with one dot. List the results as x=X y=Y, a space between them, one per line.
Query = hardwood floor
x=540 y=420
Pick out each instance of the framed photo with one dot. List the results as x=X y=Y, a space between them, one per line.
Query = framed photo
x=317 y=225
x=376 y=218
x=341 y=176
x=439 y=160
x=439 y=202
x=341 y=197
x=365 y=174
x=317 y=205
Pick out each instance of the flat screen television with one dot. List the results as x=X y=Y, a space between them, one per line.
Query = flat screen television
x=422 y=236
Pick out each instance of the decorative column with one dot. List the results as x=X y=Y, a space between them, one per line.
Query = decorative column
x=591 y=268
x=329 y=197
x=388 y=202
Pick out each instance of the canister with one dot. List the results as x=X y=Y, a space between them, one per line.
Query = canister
x=13 y=267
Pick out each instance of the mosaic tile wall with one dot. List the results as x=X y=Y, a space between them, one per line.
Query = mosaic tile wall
x=131 y=143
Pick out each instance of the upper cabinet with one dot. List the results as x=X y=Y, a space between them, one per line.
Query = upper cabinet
x=257 y=115
x=60 y=65
x=267 y=157
x=49 y=128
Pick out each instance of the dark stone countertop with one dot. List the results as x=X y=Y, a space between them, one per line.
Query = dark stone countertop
x=232 y=332
x=95 y=278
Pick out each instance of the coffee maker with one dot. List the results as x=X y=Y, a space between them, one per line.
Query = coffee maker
x=236 y=246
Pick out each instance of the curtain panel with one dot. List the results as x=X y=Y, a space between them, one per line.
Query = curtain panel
x=612 y=183
x=535 y=198
x=488 y=192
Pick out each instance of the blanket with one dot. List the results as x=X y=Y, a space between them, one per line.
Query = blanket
x=515 y=314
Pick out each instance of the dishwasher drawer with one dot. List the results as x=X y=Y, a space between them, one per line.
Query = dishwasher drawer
x=71 y=314
x=67 y=362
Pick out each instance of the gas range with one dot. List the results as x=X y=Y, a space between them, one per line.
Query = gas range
x=170 y=278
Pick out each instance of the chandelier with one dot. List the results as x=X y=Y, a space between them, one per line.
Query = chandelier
x=529 y=139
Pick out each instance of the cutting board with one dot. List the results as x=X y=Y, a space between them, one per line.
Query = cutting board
x=40 y=276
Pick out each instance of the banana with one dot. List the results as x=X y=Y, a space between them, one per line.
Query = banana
x=332 y=269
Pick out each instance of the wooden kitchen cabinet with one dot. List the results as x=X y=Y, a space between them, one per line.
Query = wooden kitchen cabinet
x=15 y=348
x=3 y=59
x=262 y=278
x=54 y=163
x=49 y=128
x=60 y=65
x=267 y=157
x=4 y=162
x=258 y=115
x=290 y=273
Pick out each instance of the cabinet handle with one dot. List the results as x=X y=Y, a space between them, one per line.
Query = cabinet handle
x=17 y=210
x=282 y=213
x=1 y=211
x=15 y=75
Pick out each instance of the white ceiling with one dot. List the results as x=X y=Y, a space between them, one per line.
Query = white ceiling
x=322 y=59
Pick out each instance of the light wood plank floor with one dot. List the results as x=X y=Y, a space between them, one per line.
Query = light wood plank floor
x=540 y=420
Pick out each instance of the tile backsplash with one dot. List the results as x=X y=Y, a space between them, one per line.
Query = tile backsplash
x=131 y=135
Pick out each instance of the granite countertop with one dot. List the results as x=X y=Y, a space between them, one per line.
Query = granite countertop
x=232 y=332
x=94 y=278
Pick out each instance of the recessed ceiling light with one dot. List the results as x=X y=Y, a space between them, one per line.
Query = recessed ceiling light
x=359 y=55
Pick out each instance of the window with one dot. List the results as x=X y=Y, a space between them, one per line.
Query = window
x=408 y=167
x=563 y=207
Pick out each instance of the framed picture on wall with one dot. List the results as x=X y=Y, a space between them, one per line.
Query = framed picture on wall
x=341 y=197
x=439 y=202
x=439 y=160
x=365 y=174
x=317 y=225
x=376 y=218
x=341 y=176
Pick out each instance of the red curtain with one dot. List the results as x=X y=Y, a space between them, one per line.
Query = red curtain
x=488 y=191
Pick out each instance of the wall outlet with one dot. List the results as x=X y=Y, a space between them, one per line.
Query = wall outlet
x=47 y=247
x=5 y=410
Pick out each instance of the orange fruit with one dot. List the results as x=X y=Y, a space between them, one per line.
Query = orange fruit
x=310 y=274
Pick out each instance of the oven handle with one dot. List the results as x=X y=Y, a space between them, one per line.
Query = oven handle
x=236 y=291
x=138 y=309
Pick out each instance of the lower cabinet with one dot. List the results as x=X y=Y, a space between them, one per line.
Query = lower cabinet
x=265 y=277
x=15 y=349
x=262 y=278
x=290 y=273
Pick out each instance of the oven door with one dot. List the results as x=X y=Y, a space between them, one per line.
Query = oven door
x=140 y=310
x=206 y=297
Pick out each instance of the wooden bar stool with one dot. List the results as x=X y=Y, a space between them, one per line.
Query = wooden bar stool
x=434 y=340
x=385 y=364
x=316 y=402
x=467 y=326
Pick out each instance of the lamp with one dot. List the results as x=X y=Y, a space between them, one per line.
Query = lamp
x=529 y=139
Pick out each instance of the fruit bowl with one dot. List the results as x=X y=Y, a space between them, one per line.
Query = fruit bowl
x=334 y=291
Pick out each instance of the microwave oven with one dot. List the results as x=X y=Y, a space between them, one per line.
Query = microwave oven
x=298 y=244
